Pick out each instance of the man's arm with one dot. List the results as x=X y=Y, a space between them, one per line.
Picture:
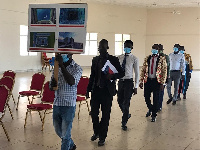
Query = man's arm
x=120 y=73
x=183 y=64
x=92 y=75
x=67 y=76
x=136 y=70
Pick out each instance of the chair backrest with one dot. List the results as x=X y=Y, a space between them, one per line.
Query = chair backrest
x=9 y=73
x=82 y=85
x=37 y=81
x=48 y=95
x=51 y=61
x=8 y=81
x=4 y=92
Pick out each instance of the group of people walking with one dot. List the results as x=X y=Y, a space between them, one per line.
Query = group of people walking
x=158 y=71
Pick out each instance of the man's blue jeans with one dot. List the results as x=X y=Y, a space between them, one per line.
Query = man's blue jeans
x=62 y=120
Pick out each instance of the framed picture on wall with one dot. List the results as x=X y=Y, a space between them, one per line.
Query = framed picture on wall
x=57 y=28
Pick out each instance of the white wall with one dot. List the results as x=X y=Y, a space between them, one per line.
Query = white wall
x=106 y=20
x=168 y=29
x=146 y=26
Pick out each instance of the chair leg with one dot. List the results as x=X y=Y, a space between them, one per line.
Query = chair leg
x=79 y=109
x=10 y=111
x=40 y=116
x=13 y=98
x=5 y=130
x=26 y=118
x=88 y=106
x=18 y=102
x=43 y=120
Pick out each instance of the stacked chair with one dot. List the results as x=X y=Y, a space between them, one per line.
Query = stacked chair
x=45 y=105
x=81 y=93
x=35 y=88
x=4 y=98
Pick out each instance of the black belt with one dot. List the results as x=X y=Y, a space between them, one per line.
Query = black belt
x=131 y=79
x=174 y=70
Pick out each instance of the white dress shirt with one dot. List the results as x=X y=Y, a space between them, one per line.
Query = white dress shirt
x=177 y=62
x=131 y=62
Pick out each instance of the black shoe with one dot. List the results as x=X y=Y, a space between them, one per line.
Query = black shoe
x=184 y=96
x=148 y=113
x=101 y=142
x=160 y=109
x=73 y=148
x=153 y=119
x=174 y=103
x=129 y=116
x=169 y=101
x=94 y=137
x=124 y=127
x=178 y=98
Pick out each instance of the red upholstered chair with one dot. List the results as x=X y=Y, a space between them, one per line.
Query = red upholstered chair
x=10 y=73
x=35 y=88
x=9 y=83
x=45 y=61
x=4 y=97
x=45 y=105
x=81 y=93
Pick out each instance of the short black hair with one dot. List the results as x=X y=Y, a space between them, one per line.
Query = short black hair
x=129 y=41
x=182 y=48
x=104 y=41
x=156 y=46
x=176 y=45
x=160 y=47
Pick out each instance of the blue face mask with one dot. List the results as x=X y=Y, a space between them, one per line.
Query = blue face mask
x=154 y=51
x=175 y=49
x=127 y=50
x=182 y=52
x=65 y=58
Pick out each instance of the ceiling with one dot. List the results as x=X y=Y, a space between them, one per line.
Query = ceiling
x=150 y=3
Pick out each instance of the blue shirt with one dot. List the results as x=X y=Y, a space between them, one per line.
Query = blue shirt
x=66 y=94
x=177 y=62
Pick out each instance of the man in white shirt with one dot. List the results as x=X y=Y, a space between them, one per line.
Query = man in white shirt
x=125 y=84
x=177 y=63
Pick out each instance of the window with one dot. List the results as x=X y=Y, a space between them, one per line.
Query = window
x=23 y=42
x=91 y=44
x=119 y=42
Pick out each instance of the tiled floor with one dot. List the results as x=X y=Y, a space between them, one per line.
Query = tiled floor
x=177 y=127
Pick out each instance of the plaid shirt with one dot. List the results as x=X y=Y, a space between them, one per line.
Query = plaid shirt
x=66 y=95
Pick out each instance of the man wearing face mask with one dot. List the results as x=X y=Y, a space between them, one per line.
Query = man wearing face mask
x=153 y=74
x=177 y=63
x=184 y=84
x=161 y=93
x=103 y=88
x=64 y=106
x=125 y=84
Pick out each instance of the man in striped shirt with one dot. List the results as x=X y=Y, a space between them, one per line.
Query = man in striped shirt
x=64 y=107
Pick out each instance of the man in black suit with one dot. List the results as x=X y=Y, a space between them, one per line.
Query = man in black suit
x=102 y=87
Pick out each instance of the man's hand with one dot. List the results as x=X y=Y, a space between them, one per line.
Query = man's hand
x=183 y=77
x=59 y=59
x=53 y=84
x=189 y=75
x=161 y=87
x=141 y=85
x=134 y=91
x=87 y=94
x=109 y=76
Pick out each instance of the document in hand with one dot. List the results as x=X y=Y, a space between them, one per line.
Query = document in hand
x=109 y=68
